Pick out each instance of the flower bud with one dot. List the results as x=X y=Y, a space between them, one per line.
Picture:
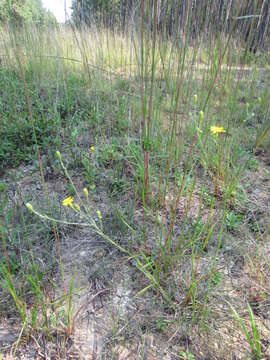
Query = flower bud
x=201 y=115
x=58 y=155
x=85 y=191
x=99 y=215
x=29 y=207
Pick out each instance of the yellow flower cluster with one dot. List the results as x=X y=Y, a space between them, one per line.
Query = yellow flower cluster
x=215 y=130
x=69 y=203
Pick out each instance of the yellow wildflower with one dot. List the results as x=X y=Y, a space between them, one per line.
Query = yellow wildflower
x=99 y=215
x=85 y=191
x=92 y=149
x=215 y=130
x=68 y=201
x=77 y=207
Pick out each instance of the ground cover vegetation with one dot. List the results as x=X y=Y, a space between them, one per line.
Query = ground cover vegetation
x=135 y=182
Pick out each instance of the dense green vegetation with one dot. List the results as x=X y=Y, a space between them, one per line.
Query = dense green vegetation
x=135 y=187
x=21 y=11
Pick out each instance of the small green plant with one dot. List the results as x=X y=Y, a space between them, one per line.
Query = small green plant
x=207 y=198
x=216 y=278
x=3 y=187
x=233 y=220
x=117 y=187
x=253 y=164
x=161 y=325
x=253 y=225
x=187 y=355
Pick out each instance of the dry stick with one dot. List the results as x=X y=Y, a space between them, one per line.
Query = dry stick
x=40 y=165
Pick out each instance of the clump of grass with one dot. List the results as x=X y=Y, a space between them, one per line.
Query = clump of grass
x=253 y=339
